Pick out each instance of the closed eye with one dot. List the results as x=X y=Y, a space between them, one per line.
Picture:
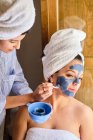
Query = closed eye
x=12 y=41
x=70 y=75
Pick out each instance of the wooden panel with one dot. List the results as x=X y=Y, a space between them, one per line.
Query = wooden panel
x=71 y=14
x=89 y=63
x=49 y=19
x=44 y=21
x=85 y=93
x=53 y=21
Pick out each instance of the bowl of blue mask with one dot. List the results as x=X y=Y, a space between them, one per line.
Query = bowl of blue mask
x=39 y=111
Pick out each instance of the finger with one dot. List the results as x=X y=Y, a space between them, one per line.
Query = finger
x=41 y=91
x=46 y=94
x=47 y=84
x=43 y=96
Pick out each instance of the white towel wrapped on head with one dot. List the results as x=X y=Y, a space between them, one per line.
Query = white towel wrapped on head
x=62 y=48
x=16 y=17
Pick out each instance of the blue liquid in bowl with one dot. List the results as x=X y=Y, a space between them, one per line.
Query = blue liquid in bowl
x=39 y=111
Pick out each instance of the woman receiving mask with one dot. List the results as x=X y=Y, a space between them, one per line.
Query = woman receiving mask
x=63 y=66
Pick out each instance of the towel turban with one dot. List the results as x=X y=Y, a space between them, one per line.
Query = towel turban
x=16 y=17
x=62 y=48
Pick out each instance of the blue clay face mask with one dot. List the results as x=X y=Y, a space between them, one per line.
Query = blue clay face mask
x=64 y=82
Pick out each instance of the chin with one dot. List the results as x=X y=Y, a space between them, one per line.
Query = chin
x=8 y=51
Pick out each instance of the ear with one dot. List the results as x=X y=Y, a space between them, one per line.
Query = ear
x=50 y=79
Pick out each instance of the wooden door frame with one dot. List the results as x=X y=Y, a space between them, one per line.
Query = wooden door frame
x=49 y=19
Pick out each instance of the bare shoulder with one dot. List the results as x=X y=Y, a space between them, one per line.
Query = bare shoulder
x=23 y=113
x=84 y=116
x=84 y=111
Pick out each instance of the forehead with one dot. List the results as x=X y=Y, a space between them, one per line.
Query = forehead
x=20 y=37
x=72 y=63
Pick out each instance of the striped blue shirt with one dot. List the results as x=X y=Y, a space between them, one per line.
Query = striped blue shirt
x=11 y=77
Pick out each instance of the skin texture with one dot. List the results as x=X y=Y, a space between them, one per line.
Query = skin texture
x=68 y=113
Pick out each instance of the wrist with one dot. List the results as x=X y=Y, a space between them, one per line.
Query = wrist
x=32 y=99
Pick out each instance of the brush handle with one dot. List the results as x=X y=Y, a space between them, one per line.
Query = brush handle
x=55 y=87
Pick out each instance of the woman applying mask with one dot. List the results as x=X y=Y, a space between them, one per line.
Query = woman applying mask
x=63 y=66
x=16 y=18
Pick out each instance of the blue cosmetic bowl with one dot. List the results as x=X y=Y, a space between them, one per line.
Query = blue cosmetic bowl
x=39 y=111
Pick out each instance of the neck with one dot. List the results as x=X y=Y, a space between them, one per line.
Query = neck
x=59 y=100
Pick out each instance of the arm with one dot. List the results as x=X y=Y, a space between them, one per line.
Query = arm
x=21 y=88
x=18 y=84
x=20 y=124
x=2 y=102
x=40 y=94
x=15 y=101
x=86 y=129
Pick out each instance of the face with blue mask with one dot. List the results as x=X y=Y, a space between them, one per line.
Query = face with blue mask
x=70 y=81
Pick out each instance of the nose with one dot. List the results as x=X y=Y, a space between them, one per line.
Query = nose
x=18 y=45
x=76 y=81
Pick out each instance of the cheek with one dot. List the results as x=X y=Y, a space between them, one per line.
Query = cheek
x=9 y=47
x=66 y=83
x=63 y=82
x=5 y=45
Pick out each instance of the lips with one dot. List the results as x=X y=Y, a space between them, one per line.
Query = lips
x=72 y=90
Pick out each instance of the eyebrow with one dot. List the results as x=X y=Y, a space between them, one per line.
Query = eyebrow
x=71 y=70
x=74 y=72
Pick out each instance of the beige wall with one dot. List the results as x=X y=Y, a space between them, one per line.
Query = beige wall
x=31 y=50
